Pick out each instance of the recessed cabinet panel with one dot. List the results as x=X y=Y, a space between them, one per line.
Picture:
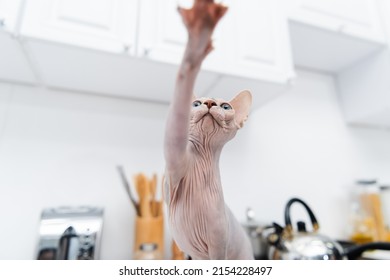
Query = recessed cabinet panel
x=257 y=46
x=97 y=13
x=262 y=46
x=162 y=35
x=108 y=25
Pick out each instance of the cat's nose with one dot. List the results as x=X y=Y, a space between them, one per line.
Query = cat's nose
x=210 y=103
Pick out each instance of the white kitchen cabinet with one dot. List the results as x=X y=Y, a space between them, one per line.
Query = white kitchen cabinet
x=251 y=48
x=365 y=91
x=254 y=42
x=108 y=25
x=79 y=45
x=10 y=14
x=365 y=87
x=104 y=73
x=162 y=35
x=251 y=42
x=353 y=17
x=341 y=32
x=14 y=63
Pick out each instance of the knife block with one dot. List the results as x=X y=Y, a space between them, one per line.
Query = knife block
x=177 y=254
x=149 y=230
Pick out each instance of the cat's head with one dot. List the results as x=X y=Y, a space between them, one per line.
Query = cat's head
x=217 y=119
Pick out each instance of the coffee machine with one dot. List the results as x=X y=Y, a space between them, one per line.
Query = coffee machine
x=70 y=233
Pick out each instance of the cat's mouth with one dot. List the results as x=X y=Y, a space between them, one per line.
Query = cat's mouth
x=208 y=118
x=211 y=117
x=207 y=123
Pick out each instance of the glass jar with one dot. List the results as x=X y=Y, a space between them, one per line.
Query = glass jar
x=385 y=195
x=367 y=216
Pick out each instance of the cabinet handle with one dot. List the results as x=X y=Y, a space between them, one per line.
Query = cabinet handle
x=127 y=48
x=146 y=51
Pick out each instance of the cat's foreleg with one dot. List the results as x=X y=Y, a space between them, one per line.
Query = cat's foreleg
x=200 y=22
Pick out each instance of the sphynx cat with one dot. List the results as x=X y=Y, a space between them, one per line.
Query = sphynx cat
x=197 y=129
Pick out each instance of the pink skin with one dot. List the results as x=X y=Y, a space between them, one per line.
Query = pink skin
x=196 y=131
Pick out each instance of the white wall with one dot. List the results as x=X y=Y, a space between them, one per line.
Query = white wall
x=62 y=149
x=59 y=148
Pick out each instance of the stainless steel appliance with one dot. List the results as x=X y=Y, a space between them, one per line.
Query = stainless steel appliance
x=70 y=233
x=256 y=232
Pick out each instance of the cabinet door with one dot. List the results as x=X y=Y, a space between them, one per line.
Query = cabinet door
x=364 y=91
x=162 y=35
x=9 y=14
x=250 y=41
x=255 y=42
x=108 y=25
x=356 y=17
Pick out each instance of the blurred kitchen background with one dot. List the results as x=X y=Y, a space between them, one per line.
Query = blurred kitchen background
x=85 y=87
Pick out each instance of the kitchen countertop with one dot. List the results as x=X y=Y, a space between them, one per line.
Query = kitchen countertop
x=376 y=255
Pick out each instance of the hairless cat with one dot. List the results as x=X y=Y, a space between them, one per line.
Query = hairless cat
x=197 y=129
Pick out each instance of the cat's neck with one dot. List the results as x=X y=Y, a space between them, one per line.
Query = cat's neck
x=205 y=166
x=205 y=151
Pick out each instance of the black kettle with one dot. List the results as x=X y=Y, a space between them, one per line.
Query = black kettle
x=289 y=244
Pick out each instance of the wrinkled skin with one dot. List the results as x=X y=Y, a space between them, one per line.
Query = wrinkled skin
x=196 y=131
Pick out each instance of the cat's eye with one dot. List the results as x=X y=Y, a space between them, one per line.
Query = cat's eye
x=196 y=103
x=226 y=106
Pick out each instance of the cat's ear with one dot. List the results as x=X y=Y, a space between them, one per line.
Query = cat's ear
x=242 y=103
